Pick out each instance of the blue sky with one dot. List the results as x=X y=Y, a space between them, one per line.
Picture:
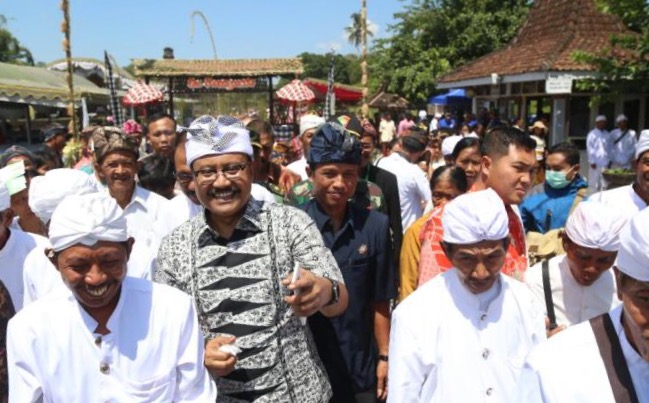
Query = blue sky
x=131 y=29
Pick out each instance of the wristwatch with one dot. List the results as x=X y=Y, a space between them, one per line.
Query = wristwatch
x=335 y=292
x=383 y=357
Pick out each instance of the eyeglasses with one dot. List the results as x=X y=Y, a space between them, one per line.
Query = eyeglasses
x=209 y=174
x=183 y=177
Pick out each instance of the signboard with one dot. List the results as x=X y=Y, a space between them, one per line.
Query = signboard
x=213 y=84
x=558 y=84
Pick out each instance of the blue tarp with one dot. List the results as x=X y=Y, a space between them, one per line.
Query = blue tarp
x=453 y=97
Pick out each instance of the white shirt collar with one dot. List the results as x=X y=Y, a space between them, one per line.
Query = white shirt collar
x=113 y=321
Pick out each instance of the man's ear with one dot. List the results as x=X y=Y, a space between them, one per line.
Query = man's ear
x=618 y=282
x=6 y=217
x=576 y=168
x=486 y=165
x=98 y=170
x=309 y=172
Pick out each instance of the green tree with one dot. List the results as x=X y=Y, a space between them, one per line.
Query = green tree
x=11 y=51
x=431 y=37
x=622 y=66
x=347 y=69
x=354 y=30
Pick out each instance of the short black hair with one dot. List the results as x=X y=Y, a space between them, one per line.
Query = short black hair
x=260 y=126
x=47 y=156
x=453 y=173
x=466 y=142
x=156 y=172
x=158 y=116
x=498 y=139
x=568 y=150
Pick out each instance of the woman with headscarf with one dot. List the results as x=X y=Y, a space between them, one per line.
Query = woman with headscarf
x=447 y=183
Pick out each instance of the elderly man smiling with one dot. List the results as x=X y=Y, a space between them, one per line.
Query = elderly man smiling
x=110 y=337
x=463 y=336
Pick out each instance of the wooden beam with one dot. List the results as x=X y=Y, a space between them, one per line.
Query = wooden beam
x=271 y=107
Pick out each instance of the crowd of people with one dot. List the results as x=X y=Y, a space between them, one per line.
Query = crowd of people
x=360 y=261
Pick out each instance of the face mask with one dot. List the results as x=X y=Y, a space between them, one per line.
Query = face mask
x=556 y=179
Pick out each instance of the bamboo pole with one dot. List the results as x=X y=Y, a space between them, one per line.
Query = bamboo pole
x=365 y=108
x=65 y=29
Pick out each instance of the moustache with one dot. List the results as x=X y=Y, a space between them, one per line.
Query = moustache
x=213 y=191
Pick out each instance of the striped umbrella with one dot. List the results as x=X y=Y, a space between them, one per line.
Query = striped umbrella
x=295 y=91
x=142 y=94
x=114 y=101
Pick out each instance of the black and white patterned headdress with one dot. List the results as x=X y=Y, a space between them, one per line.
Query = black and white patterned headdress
x=208 y=135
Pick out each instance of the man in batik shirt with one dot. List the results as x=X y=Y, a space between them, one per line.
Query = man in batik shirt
x=237 y=260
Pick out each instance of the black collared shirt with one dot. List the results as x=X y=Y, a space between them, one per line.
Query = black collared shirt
x=363 y=250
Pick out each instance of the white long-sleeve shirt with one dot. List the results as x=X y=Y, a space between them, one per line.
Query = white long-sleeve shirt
x=623 y=199
x=598 y=147
x=142 y=215
x=153 y=353
x=414 y=188
x=445 y=347
x=621 y=154
x=569 y=368
x=12 y=261
x=573 y=302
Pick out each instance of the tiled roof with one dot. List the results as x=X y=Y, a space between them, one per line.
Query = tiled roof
x=218 y=67
x=554 y=30
x=384 y=100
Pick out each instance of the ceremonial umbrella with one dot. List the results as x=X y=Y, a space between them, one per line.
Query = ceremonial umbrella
x=295 y=91
x=142 y=94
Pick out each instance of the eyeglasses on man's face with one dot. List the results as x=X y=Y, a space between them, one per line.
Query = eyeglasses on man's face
x=210 y=174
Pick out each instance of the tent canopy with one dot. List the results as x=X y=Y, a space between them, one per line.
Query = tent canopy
x=453 y=97
x=344 y=93
x=40 y=86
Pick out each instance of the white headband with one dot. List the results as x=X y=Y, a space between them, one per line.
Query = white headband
x=475 y=217
x=87 y=219
x=47 y=191
x=633 y=257
x=13 y=176
x=643 y=143
x=308 y=122
x=5 y=199
x=596 y=226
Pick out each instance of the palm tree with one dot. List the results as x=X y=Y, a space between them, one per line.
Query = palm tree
x=354 y=30
x=357 y=34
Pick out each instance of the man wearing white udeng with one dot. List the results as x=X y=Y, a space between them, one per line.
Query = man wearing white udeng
x=607 y=358
x=463 y=336
x=109 y=337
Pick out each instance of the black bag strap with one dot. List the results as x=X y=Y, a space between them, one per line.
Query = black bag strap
x=614 y=361
x=547 y=290
x=621 y=137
